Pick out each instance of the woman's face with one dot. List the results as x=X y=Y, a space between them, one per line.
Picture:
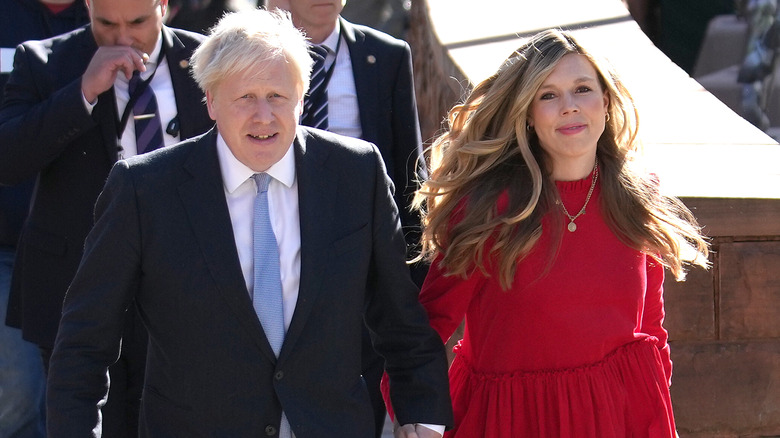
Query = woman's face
x=568 y=113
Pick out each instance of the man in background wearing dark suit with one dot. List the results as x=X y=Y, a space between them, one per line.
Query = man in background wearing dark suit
x=65 y=117
x=370 y=95
x=253 y=254
x=22 y=381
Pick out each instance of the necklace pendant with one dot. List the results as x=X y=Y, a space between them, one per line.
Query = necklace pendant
x=572 y=226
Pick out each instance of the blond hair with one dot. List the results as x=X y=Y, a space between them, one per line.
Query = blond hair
x=243 y=41
x=488 y=150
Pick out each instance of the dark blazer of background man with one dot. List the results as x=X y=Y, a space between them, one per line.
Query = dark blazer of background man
x=386 y=104
x=22 y=379
x=164 y=240
x=382 y=69
x=25 y=20
x=47 y=130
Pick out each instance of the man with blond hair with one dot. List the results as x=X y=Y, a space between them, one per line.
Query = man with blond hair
x=254 y=253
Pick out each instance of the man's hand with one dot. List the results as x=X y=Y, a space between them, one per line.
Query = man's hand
x=107 y=62
x=414 y=431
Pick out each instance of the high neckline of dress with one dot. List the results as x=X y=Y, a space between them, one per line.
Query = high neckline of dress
x=581 y=185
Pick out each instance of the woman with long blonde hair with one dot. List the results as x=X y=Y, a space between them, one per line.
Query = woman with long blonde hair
x=545 y=234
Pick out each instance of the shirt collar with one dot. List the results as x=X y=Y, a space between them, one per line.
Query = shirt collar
x=151 y=65
x=235 y=173
x=155 y=54
x=332 y=40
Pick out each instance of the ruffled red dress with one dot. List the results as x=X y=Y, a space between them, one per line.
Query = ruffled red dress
x=578 y=351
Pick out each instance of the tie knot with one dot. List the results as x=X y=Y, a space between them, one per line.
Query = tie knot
x=262 y=180
x=134 y=81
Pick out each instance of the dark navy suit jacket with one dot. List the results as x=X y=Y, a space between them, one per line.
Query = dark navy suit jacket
x=20 y=21
x=46 y=130
x=163 y=240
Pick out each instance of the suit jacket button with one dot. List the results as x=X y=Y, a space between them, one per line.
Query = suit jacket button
x=270 y=430
x=279 y=375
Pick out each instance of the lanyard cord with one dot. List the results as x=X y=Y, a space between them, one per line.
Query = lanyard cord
x=332 y=67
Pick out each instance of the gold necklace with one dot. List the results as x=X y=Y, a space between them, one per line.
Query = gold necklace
x=572 y=227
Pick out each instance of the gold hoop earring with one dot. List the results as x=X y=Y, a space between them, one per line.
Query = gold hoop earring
x=608 y=117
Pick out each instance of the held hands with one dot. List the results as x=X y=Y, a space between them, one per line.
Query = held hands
x=107 y=62
x=413 y=431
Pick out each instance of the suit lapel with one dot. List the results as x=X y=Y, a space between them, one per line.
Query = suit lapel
x=186 y=92
x=316 y=203
x=204 y=202
x=364 y=65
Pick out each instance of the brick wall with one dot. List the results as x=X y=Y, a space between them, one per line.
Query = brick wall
x=724 y=325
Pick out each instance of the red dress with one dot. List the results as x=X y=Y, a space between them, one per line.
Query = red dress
x=578 y=352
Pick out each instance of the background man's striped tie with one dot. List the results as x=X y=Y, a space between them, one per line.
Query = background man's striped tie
x=315 y=103
x=146 y=118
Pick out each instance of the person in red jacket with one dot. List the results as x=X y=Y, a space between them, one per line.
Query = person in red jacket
x=548 y=240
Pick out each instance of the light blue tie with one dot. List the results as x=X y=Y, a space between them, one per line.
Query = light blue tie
x=267 y=294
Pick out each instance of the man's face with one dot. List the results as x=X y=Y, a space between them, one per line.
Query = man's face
x=134 y=23
x=257 y=112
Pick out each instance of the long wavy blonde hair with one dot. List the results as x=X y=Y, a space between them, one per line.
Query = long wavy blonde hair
x=487 y=151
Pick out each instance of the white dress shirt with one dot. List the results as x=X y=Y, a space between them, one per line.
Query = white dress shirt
x=343 y=111
x=240 y=192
